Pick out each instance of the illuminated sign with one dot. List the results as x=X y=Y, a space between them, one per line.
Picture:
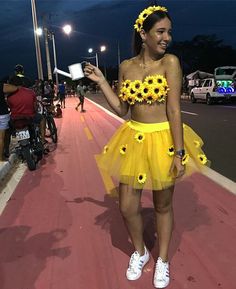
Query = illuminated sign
x=225 y=86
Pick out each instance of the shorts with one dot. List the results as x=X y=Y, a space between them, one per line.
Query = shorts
x=140 y=155
x=81 y=99
x=4 y=121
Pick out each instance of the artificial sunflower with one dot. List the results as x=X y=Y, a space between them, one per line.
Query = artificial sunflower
x=150 y=79
x=159 y=79
x=123 y=96
x=185 y=159
x=202 y=158
x=105 y=149
x=137 y=85
x=162 y=98
x=123 y=149
x=171 y=151
x=145 y=90
x=157 y=92
x=150 y=99
x=142 y=178
x=139 y=97
x=126 y=83
x=197 y=143
x=140 y=137
x=143 y=15
x=138 y=24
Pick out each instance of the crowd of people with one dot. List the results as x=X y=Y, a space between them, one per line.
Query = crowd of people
x=21 y=97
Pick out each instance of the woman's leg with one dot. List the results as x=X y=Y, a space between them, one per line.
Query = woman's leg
x=7 y=141
x=164 y=219
x=129 y=201
x=2 y=136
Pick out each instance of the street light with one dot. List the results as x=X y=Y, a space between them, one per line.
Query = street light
x=50 y=34
x=102 y=49
x=67 y=29
x=90 y=50
x=39 y=31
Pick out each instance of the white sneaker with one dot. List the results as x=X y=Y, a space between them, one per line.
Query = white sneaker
x=161 y=276
x=136 y=265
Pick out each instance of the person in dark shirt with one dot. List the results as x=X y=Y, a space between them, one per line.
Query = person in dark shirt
x=4 y=119
x=58 y=113
x=62 y=94
x=19 y=72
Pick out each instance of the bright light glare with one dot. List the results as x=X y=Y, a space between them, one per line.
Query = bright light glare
x=103 y=48
x=67 y=29
x=90 y=50
x=39 y=31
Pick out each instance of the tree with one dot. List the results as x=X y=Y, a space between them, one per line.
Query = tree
x=204 y=52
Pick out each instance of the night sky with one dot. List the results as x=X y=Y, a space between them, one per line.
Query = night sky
x=97 y=22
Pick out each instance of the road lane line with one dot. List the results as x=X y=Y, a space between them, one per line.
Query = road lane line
x=211 y=174
x=82 y=118
x=88 y=133
x=187 y=112
x=107 y=180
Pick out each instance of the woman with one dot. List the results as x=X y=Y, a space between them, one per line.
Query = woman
x=4 y=117
x=149 y=150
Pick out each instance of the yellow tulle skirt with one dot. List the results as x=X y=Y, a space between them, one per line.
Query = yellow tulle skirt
x=140 y=155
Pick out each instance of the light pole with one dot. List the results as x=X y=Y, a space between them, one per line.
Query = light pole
x=51 y=36
x=36 y=40
x=90 y=50
x=46 y=36
x=102 y=49
x=54 y=56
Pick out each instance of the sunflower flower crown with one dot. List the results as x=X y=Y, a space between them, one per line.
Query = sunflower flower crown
x=144 y=14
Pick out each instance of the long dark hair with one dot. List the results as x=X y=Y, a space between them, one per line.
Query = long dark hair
x=148 y=23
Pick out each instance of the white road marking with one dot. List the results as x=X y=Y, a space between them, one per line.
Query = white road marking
x=187 y=112
x=229 y=106
x=9 y=184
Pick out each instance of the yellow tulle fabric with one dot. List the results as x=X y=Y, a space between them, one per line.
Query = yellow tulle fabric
x=140 y=155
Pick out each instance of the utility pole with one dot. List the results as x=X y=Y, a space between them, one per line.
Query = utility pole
x=118 y=53
x=55 y=56
x=36 y=39
x=46 y=35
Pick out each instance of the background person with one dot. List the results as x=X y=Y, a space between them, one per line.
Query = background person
x=62 y=94
x=80 y=92
x=23 y=103
x=4 y=119
x=149 y=151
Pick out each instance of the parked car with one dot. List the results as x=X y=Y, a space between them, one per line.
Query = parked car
x=211 y=90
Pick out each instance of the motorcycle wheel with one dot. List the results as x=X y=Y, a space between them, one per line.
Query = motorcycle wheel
x=52 y=128
x=29 y=157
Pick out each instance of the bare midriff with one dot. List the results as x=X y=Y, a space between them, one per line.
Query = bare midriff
x=149 y=113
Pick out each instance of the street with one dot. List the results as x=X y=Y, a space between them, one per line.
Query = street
x=60 y=229
x=216 y=124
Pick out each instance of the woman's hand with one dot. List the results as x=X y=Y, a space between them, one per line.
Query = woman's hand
x=93 y=73
x=177 y=169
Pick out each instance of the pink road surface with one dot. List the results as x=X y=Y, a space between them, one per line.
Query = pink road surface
x=60 y=230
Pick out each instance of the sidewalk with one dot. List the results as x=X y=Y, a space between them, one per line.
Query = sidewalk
x=60 y=230
x=6 y=166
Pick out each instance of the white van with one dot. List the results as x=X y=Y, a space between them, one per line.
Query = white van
x=215 y=89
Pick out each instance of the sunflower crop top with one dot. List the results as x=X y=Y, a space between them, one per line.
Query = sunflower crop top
x=154 y=88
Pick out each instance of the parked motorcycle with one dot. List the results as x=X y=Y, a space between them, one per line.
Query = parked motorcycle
x=30 y=147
